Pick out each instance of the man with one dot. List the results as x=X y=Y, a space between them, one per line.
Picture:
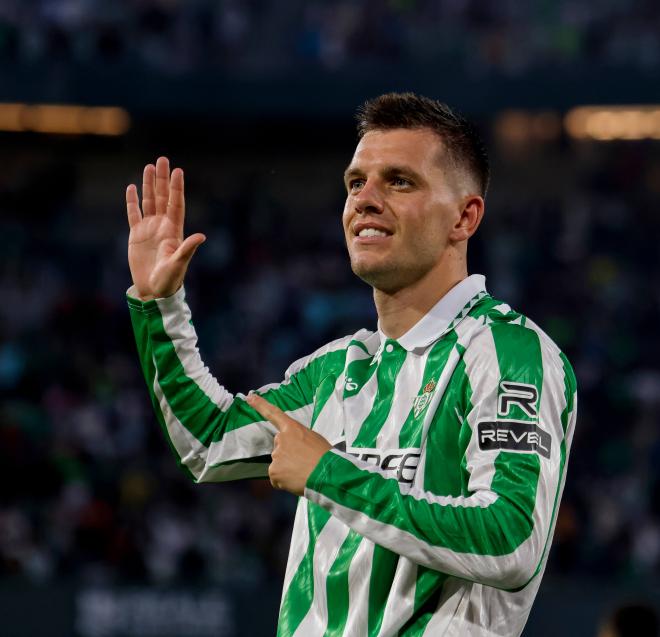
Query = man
x=430 y=454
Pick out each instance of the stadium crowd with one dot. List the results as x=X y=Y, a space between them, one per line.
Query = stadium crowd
x=478 y=36
x=89 y=489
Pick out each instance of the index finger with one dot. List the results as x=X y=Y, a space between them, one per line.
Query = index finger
x=269 y=411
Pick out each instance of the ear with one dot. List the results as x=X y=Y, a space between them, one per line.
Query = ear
x=470 y=217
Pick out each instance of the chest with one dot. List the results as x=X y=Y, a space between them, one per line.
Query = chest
x=380 y=408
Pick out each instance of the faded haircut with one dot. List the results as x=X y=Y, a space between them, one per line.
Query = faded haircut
x=462 y=143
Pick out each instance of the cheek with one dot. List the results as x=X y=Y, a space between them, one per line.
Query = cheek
x=346 y=216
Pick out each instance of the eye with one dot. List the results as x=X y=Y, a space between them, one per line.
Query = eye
x=401 y=182
x=355 y=184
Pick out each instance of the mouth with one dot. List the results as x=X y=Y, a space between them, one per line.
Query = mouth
x=369 y=232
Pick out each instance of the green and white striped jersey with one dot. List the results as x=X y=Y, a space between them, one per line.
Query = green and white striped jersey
x=434 y=511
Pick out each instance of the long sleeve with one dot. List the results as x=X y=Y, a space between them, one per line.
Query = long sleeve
x=513 y=398
x=215 y=435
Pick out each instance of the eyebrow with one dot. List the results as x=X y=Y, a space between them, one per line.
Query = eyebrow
x=386 y=171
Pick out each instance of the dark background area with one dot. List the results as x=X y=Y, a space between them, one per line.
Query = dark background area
x=254 y=100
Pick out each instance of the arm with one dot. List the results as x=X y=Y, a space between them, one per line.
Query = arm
x=497 y=532
x=215 y=435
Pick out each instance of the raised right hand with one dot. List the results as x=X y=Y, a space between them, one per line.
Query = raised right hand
x=158 y=255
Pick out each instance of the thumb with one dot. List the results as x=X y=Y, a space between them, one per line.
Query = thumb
x=186 y=250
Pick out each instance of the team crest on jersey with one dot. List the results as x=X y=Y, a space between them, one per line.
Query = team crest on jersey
x=421 y=402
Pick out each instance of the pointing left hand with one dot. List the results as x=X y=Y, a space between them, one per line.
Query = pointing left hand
x=296 y=449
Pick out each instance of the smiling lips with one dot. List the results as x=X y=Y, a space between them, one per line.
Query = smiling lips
x=368 y=232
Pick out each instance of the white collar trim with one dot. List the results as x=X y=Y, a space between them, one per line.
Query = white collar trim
x=436 y=321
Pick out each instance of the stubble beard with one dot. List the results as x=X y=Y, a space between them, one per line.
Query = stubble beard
x=389 y=276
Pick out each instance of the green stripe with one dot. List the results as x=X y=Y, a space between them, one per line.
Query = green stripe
x=310 y=379
x=569 y=397
x=191 y=406
x=464 y=406
x=388 y=368
x=483 y=307
x=446 y=439
x=570 y=386
x=329 y=369
x=300 y=594
x=428 y=589
x=410 y=434
x=520 y=360
x=200 y=415
x=383 y=568
x=358 y=373
x=494 y=530
x=337 y=586
x=140 y=325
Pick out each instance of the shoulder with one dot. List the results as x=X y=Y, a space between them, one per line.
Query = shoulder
x=511 y=343
x=332 y=353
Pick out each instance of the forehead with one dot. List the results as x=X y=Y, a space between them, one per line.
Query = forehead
x=418 y=148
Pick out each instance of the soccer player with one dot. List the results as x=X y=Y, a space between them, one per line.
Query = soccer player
x=429 y=454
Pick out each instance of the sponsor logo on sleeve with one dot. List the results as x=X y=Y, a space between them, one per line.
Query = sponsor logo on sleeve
x=513 y=435
x=521 y=394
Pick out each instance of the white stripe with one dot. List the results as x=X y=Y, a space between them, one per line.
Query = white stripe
x=329 y=422
x=451 y=607
x=493 y=571
x=359 y=580
x=552 y=405
x=400 y=600
x=298 y=546
x=481 y=499
x=326 y=549
x=190 y=450
x=176 y=316
x=359 y=406
x=198 y=458
x=249 y=441
x=480 y=465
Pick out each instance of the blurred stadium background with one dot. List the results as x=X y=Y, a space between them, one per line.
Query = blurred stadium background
x=100 y=534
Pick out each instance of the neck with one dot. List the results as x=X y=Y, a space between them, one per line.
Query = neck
x=398 y=311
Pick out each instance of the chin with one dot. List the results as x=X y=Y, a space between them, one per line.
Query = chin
x=389 y=277
x=386 y=279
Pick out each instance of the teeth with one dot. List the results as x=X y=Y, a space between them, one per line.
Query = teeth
x=372 y=232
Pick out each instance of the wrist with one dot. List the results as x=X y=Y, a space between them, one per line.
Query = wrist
x=136 y=294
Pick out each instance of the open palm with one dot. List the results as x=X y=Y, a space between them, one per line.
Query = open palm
x=158 y=255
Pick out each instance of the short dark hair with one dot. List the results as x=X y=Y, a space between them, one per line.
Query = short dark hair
x=463 y=144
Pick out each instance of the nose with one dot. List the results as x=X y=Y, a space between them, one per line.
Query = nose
x=369 y=199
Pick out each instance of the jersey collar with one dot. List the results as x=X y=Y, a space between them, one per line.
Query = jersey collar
x=433 y=324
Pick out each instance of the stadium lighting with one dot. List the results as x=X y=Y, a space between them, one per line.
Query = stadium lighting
x=523 y=127
x=63 y=119
x=607 y=123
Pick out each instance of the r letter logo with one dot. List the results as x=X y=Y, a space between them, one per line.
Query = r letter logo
x=521 y=394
